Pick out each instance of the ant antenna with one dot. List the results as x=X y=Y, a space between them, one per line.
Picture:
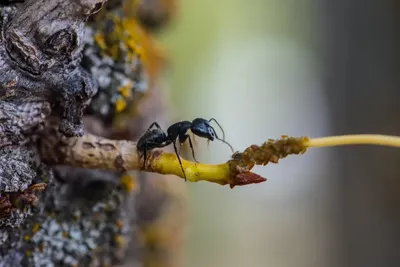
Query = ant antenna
x=223 y=133
x=223 y=141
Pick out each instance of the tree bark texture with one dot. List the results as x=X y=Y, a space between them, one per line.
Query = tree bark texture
x=55 y=65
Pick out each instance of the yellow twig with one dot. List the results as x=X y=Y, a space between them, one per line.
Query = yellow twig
x=95 y=152
x=356 y=139
x=167 y=163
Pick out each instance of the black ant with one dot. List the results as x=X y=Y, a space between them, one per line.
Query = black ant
x=157 y=138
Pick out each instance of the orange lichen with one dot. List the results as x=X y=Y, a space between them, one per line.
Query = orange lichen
x=119 y=223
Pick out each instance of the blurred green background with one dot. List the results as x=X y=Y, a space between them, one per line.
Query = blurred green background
x=251 y=65
x=264 y=68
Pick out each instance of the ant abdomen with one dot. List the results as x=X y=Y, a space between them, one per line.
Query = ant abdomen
x=151 y=139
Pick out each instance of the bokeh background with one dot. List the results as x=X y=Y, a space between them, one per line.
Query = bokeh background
x=264 y=68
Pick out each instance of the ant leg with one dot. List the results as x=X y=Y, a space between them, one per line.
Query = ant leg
x=194 y=139
x=216 y=137
x=166 y=143
x=180 y=163
x=182 y=139
x=191 y=146
x=223 y=133
x=144 y=157
x=180 y=146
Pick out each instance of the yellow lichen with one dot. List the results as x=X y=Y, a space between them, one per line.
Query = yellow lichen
x=128 y=41
x=27 y=237
x=35 y=227
x=155 y=235
x=120 y=104
x=126 y=90
x=99 y=38
x=128 y=182
x=139 y=50
x=120 y=241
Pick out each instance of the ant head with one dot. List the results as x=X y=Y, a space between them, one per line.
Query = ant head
x=202 y=128
x=211 y=135
x=200 y=121
x=211 y=132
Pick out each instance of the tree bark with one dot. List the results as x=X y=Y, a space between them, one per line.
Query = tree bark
x=53 y=66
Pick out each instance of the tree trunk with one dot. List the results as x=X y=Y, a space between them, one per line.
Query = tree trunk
x=67 y=61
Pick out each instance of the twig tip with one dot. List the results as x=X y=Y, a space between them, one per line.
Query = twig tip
x=246 y=178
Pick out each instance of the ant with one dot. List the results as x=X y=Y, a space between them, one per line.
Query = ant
x=157 y=138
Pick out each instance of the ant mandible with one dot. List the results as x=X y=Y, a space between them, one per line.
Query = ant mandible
x=157 y=138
